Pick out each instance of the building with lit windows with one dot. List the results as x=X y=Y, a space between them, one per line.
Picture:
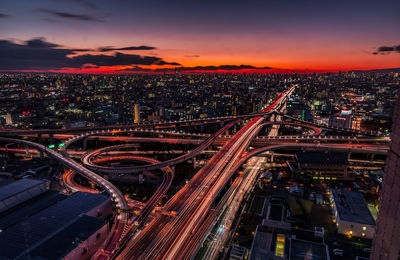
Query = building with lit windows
x=321 y=166
x=351 y=213
x=137 y=113
x=341 y=120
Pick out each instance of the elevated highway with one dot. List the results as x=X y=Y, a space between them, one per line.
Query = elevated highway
x=87 y=158
x=165 y=238
x=336 y=129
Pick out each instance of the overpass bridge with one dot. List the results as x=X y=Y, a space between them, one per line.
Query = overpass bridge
x=164 y=236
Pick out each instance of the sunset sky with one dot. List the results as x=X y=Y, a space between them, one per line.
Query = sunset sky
x=152 y=35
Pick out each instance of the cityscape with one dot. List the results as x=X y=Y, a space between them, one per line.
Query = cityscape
x=224 y=130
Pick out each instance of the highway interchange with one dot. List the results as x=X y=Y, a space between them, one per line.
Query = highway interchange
x=182 y=224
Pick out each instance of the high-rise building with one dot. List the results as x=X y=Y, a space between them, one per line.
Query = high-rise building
x=137 y=114
x=386 y=244
x=9 y=120
x=342 y=120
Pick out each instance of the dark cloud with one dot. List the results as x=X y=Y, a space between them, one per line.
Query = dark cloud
x=38 y=54
x=4 y=15
x=113 y=60
x=40 y=43
x=86 y=3
x=161 y=62
x=224 y=67
x=387 y=50
x=139 y=69
x=31 y=55
x=78 y=17
x=197 y=68
x=130 y=48
x=81 y=50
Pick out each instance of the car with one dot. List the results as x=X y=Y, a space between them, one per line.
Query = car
x=367 y=249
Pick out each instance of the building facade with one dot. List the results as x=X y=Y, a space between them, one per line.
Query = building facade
x=386 y=243
x=351 y=213
x=321 y=166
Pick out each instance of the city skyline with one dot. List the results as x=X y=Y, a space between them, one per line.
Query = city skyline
x=199 y=129
x=84 y=36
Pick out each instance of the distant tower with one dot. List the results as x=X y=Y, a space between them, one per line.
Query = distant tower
x=137 y=114
x=386 y=244
x=9 y=120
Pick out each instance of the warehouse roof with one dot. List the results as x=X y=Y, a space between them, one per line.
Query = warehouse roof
x=43 y=225
x=28 y=208
x=19 y=186
x=67 y=239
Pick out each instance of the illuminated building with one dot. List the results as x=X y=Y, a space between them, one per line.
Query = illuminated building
x=356 y=123
x=321 y=166
x=9 y=120
x=280 y=245
x=342 y=120
x=137 y=114
x=386 y=243
x=352 y=215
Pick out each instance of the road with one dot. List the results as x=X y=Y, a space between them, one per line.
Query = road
x=166 y=237
x=228 y=209
x=179 y=159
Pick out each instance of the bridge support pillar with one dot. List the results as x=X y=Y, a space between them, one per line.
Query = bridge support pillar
x=202 y=127
x=221 y=124
x=85 y=141
x=194 y=162
x=348 y=156
x=272 y=157
x=51 y=138
x=234 y=129
x=372 y=157
x=27 y=151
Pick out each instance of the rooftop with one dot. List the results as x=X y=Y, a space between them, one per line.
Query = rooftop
x=67 y=239
x=261 y=247
x=44 y=225
x=300 y=249
x=28 y=208
x=238 y=252
x=352 y=207
x=16 y=187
